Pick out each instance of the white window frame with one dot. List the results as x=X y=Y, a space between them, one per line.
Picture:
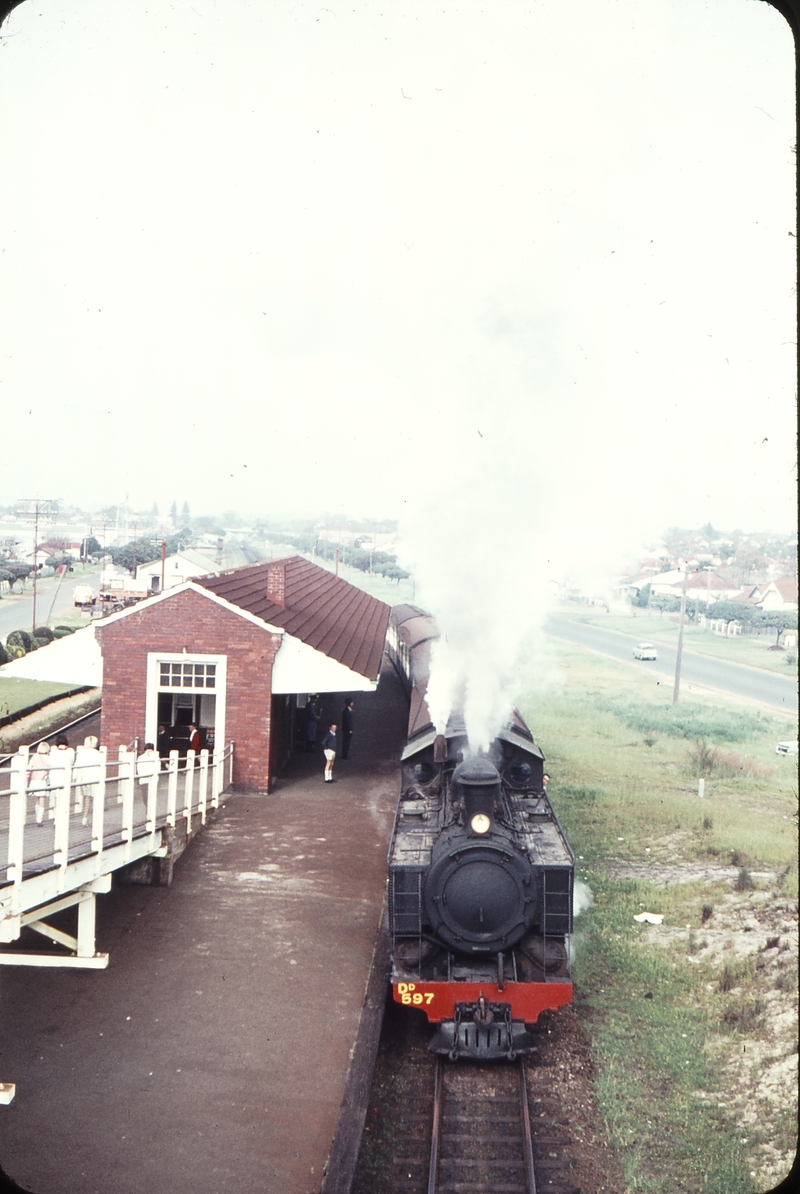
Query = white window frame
x=154 y=659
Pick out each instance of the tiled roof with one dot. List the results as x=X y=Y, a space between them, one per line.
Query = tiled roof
x=706 y=580
x=787 y=587
x=313 y=605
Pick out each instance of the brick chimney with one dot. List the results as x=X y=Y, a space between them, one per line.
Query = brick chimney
x=276 y=583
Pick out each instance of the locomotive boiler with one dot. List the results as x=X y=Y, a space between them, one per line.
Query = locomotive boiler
x=480 y=875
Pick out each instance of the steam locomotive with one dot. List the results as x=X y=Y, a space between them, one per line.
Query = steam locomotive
x=480 y=875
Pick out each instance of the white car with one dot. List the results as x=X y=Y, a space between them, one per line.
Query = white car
x=645 y=651
x=786 y=748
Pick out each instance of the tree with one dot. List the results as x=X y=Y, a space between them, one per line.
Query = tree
x=18 y=571
x=642 y=598
x=666 y=602
x=139 y=551
x=59 y=560
x=173 y=511
x=731 y=611
x=185 y=512
x=777 y=620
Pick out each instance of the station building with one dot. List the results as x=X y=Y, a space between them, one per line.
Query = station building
x=237 y=653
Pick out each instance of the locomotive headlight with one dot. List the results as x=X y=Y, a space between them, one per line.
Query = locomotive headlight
x=480 y=823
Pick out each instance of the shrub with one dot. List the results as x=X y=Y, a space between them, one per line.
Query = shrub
x=744 y=1016
x=707 y=913
x=709 y=760
x=708 y=823
x=686 y=720
x=4 y=655
x=15 y=650
x=787 y=981
x=743 y=881
x=21 y=638
x=44 y=633
x=703 y=757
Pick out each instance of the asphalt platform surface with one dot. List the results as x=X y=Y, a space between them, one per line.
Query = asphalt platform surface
x=211 y=1056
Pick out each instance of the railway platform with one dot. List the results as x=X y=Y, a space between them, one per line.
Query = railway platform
x=211 y=1054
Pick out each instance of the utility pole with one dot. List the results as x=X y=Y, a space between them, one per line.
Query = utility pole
x=39 y=505
x=677 y=688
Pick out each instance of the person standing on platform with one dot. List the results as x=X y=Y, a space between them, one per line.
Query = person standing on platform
x=39 y=778
x=194 y=739
x=88 y=764
x=347 y=728
x=62 y=756
x=148 y=764
x=329 y=750
x=312 y=717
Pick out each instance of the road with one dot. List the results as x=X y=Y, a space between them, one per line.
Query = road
x=16 y=609
x=779 y=692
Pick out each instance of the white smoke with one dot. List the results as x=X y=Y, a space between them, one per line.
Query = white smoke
x=582 y=897
x=484 y=575
x=490 y=555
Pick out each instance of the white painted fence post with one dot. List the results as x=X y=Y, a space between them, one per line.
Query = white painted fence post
x=99 y=806
x=172 y=790
x=152 y=802
x=74 y=788
x=203 y=801
x=217 y=776
x=62 y=809
x=127 y=784
x=17 y=811
x=187 y=791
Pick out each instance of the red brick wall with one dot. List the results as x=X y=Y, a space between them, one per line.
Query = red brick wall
x=197 y=623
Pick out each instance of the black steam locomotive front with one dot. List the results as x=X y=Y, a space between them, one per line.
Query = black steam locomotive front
x=478 y=895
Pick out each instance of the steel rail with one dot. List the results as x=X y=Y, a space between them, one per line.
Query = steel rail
x=46 y=737
x=526 y=1129
x=433 y=1168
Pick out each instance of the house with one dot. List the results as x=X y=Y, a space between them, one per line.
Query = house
x=779 y=594
x=187 y=565
x=236 y=653
x=702 y=585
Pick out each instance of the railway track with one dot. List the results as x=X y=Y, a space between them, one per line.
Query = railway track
x=472 y=1128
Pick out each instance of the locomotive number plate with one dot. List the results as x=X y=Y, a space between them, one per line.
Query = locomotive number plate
x=409 y=994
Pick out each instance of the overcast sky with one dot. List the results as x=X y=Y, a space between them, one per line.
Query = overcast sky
x=284 y=257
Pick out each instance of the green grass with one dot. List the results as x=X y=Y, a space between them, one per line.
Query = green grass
x=17 y=695
x=752 y=650
x=615 y=781
x=649 y=1034
x=624 y=770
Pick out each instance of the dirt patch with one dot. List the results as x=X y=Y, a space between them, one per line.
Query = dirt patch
x=748 y=946
x=662 y=875
x=564 y=1072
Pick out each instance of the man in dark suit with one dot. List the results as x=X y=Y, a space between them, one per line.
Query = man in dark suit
x=347 y=728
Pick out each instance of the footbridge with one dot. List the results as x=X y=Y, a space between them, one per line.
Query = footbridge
x=62 y=838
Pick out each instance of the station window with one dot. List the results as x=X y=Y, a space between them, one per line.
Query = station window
x=187 y=675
